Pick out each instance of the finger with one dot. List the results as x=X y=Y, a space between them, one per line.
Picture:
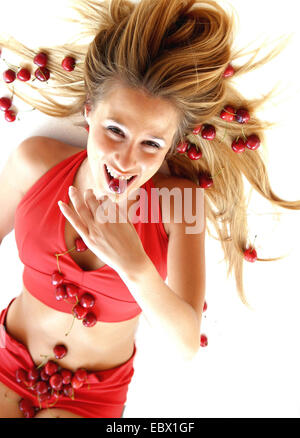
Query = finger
x=91 y=201
x=79 y=205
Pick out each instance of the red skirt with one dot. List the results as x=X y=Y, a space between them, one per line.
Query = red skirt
x=102 y=396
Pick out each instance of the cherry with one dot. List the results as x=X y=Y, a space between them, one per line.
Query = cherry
x=41 y=387
x=238 y=145
x=197 y=129
x=229 y=71
x=242 y=115
x=193 y=153
x=250 y=255
x=81 y=374
x=79 y=311
x=87 y=128
x=208 y=132
x=25 y=404
x=43 y=375
x=182 y=147
x=68 y=63
x=57 y=278
x=205 y=181
x=253 y=142
x=87 y=300
x=51 y=368
x=80 y=245
x=60 y=351
x=41 y=59
x=21 y=375
x=66 y=375
x=90 y=320
x=68 y=391
x=204 y=306
x=24 y=75
x=228 y=113
x=116 y=186
x=5 y=103
x=10 y=116
x=72 y=290
x=61 y=293
x=203 y=340
x=9 y=76
x=42 y=74
x=33 y=374
x=76 y=384
x=56 y=381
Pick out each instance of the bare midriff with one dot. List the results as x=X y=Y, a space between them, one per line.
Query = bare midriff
x=40 y=328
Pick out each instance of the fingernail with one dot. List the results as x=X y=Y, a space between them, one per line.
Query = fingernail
x=60 y=204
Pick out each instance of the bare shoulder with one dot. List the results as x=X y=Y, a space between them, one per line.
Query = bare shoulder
x=37 y=154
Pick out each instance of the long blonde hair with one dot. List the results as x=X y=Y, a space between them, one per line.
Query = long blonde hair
x=177 y=50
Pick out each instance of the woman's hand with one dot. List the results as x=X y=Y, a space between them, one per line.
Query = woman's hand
x=115 y=243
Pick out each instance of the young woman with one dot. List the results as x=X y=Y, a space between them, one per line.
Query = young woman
x=154 y=88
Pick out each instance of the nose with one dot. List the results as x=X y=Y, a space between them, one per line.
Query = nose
x=125 y=158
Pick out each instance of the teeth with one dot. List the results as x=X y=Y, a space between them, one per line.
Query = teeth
x=115 y=175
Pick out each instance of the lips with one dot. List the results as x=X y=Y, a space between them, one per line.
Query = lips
x=109 y=178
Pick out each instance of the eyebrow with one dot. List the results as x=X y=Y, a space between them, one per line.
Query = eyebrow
x=124 y=127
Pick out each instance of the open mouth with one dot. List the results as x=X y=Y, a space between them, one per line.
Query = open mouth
x=123 y=183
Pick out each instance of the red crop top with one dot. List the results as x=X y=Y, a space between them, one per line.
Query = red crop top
x=39 y=232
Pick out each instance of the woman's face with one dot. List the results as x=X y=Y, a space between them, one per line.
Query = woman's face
x=131 y=133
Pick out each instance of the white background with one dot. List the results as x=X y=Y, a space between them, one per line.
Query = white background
x=250 y=367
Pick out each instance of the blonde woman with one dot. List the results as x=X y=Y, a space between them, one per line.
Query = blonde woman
x=154 y=88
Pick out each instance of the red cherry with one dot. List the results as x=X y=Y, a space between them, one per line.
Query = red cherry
x=182 y=147
x=250 y=255
x=72 y=290
x=203 y=340
x=79 y=311
x=253 y=142
x=87 y=128
x=42 y=74
x=242 y=115
x=41 y=387
x=57 y=278
x=208 y=132
x=60 y=351
x=10 y=116
x=66 y=375
x=33 y=374
x=68 y=63
x=41 y=59
x=115 y=186
x=46 y=396
x=56 y=382
x=81 y=375
x=205 y=181
x=80 y=245
x=238 y=145
x=25 y=404
x=197 y=129
x=90 y=320
x=228 y=113
x=5 y=103
x=193 y=153
x=76 y=384
x=229 y=71
x=60 y=292
x=68 y=391
x=21 y=375
x=24 y=75
x=204 y=306
x=43 y=375
x=87 y=300
x=51 y=368
x=9 y=76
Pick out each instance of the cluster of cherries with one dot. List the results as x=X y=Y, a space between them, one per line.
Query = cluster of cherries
x=42 y=73
x=49 y=382
x=65 y=290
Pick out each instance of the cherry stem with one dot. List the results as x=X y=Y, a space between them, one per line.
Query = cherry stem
x=218 y=172
x=10 y=65
x=77 y=301
x=224 y=133
x=245 y=138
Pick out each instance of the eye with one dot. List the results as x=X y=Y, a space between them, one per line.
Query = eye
x=114 y=129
